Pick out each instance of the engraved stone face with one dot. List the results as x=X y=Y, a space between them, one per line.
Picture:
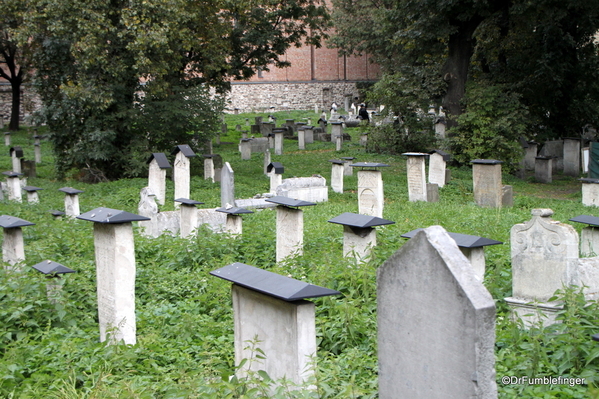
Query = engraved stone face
x=370 y=193
x=416 y=178
x=436 y=169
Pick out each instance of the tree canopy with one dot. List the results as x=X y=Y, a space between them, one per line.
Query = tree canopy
x=541 y=55
x=119 y=79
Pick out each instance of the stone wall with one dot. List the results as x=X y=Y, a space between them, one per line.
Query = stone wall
x=259 y=97
x=30 y=102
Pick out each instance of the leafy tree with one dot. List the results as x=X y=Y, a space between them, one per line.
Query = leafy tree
x=119 y=79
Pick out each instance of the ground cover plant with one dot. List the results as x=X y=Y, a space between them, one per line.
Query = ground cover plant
x=184 y=316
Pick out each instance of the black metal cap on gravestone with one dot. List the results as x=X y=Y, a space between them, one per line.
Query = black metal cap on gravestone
x=161 y=160
x=595 y=337
x=588 y=180
x=446 y=156
x=276 y=166
x=208 y=155
x=543 y=157
x=279 y=130
x=234 y=210
x=7 y=133
x=185 y=149
x=336 y=161
x=55 y=212
x=415 y=154
x=336 y=123
x=486 y=161
x=587 y=219
x=12 y=174
x=286 y=201
x=11 y=222
x=368 y=165
x=31 y=189
x=269 y=283
x=187 y=201
x=110 y=216
x=51 y=267
x=358 y=220
x=462 y=240
x=348 y=158
x=70 y=190
x=17 y=150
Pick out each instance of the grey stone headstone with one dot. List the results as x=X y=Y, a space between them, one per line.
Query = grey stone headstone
x=436 y=323
x=227 y=186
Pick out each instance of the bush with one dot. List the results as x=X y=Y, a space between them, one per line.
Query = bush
x=395 y=139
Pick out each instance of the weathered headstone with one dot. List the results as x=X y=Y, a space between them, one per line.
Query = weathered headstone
x=182 y=171
x=359 y=235
x=290 y=226
x=13 y=185
x=544 y=169
x=338 y=142
x=308 y=134
x=347 y=169
x=208 y=167
x=432 y=192
x=486 y=176
x=590 y=191
x=336 y=131
x=437 y=167
x=16 y=153
x=227 y=186
x=337 y=168
x=115 y=273
x=189 y=217
x=13 y=245
x=572 y=157
x=279 y=140
x=275 y=171
x=71 y=201
x=233 y=225
x=266 y=160
x=53 y=271
x=589 y=236
x=37 y=153
x=313 y=189
x=271 y=310
x=555 y=150
x=370 y=188
x=245 y=147
x=7 y=139
x=32 y=196
x=157 y=166
x=530 y=155
x=416 y=176
x=415 y=326
x=301 y=139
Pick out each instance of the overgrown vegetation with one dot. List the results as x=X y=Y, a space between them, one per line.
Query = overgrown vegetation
x=184 y=320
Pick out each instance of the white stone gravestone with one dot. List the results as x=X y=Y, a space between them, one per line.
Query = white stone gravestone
x=13 y=245
x=415 y=166
x=157 y=167
x=181 y=171
x=290 y=226
x=337 y=168
x=71 y=201
x=437 y=167
x=359 y=235
x=227 y=186
x=13 y=186
x=370 y=189
x=486 y=179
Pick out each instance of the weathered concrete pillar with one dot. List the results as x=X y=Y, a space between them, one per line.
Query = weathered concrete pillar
x=308 y=134
x=415 y=166
x=158 y=165
x=290 y=226
x=359 y=235
x=266 y=161
x=432 y=192
x=233 y=225
x=32 y=196
x=589 y=236
x=337 y=168
x=486 y=179
x=13 y=245
x=13 y=185
x=71 y=201
x=181 y=171
x=270 y=311
x=115 y=273
x=189 y=217
x=338 y=143
x=590 y=191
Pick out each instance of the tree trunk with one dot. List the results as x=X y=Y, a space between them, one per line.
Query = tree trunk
x=455 y=71
x=16 y=104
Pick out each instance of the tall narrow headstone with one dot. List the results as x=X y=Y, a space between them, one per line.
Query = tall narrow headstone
x=486 y=179
x=415 y=327
x=189 y=216
x=245 y=147
x=32 y=196
x=370 y=189
x=233 y=225
x=227 y=186
x=544 y=169
x=13 y=185
x=266 y=160
x=437 y=167
x=275 y=171
x=359 y=235
x=308 y=134
x=115 y=273
x=301 y=139
x=290 y=226
x=157 y=167
x=590 y=192
x=71 y=201
x=7 y=139
x=336 y=131
x=181 y=171
x=279 y=140
x=416 y=176
x=37 y=153
x=589 y=236
x=271 y=310
x=337 y=175
x=347 y=169
x=544 y=259
x=208 y=167
x=530 y=155
x=338 y=142
x=53 y=271
x=572 y=157
x=16 y=153
x=13 y=245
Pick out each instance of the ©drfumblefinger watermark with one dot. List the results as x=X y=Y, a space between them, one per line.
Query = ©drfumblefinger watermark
x=513 y=380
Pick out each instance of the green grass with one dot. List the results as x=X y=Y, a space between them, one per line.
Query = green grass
x=184 y=320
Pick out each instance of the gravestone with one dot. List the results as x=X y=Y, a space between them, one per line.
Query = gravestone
x=71 y=201
x=436 y=323
x=266 y=128
x=16 y=153
x=275 y=171
x=7 y=139
x=188 y=217
x=245 y=147
x=336 y=131
x=572 y=157
x=279 y=140
x=181 y=171
x=370 y=188
x=544 y=169
x=37 y=153
x=259 y=144
x=544 y=259
x=338 y=142
x=308 y=134
x=157 y=167
x=313 y=189
x=337 y=168
x=590 y=192
x=359 y=235
x=208 y=167
x=233 y=224
x=530 y=155
x=589 y=236
x=13 y=185
x=486 y=179
x=272 y=309
x=555 y=150
x=585 y=158
x=290 y=226
x=301 y=139
x=432 y=192
x=227 y=186
x=13 y=245
x=53 y=271
x=437 y=167
x=266 y=160
x=32 y=195
x=115 y=273
x=416 y=176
